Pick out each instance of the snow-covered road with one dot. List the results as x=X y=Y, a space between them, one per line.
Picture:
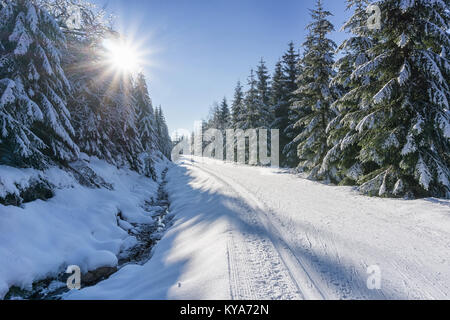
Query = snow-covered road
x=258 y=233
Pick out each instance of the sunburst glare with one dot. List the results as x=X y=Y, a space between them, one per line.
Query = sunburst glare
x=122 y=56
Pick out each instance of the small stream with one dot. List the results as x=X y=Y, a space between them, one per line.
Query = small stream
x=147 y=235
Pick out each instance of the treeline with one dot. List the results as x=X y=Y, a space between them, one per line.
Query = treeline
x=378 y=117
x=58 y=97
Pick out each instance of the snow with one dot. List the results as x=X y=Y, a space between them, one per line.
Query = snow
x=13 y=179
x=399 y=187
x=32 y=18
x=423 y=174
x=391 y=141
x=7 y=96
x=78 y=226
x=406 y=4
x=369 y=66
x=443 y=121
x=428 y=63
x=403 y=40
x=259 y=233
x=354 y=172
x=5 y=15
x=21 y=36
x=410 y=146
x=438 y=97
x=385 y=92
x=404 y=75
x=45 y=62
x=367 y=122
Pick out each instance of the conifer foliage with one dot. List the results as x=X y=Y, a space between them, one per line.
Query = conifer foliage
x=342 y=135
x=315 y=96
x=57 y=98
x=34 y=120
x=403 y=124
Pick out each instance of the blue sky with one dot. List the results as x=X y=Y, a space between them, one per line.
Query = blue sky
x=200 y=48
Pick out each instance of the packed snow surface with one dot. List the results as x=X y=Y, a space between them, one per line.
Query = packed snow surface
x=259 y=233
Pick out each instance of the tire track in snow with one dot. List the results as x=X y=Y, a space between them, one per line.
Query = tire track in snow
x=304 y=285
x=240 y=285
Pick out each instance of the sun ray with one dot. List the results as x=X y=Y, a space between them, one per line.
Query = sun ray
x=122 y=56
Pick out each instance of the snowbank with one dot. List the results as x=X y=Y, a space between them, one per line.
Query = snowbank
x=78 y=226
x=189 y=262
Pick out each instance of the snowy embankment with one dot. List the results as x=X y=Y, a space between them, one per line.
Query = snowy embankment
x=79 y=225
x=257 y=233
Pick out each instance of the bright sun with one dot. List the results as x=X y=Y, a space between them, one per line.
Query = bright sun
x=122 y=56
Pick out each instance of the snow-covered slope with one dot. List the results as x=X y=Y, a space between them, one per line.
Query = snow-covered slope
x=258 y=233
x=78 y=226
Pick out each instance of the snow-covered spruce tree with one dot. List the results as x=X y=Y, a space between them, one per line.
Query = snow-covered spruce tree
x=34 y=119
x=146 y=123
x=121 y=121
x=83 y=63
x=251 y=118
x=224 y=115
x=237 y=107
x=164 y=141
x=145 y=114
x=213 y=121
x=282 y=94
x=78 y=18
x=84 y=68
x=296 y=112
x=341 y=131
x=277 y=94
x=220 y=119
x=316 y=96
x=103 y=105
x=263 y=92
x=404 y=128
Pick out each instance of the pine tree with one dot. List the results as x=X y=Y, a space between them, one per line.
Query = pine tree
x=224 y=115
x=104 y=106
x=283 y=88
x=82 y=64
x=403 y=119
x=342 y=134
x=238 y=107
x=277 y=96
x=214 y=116
x=146 y=124
x=165 y=143
x=145 y=114
x=79 y=19
x=35 y=123
x=121 y=121
x=316 y=95
x=251 y=118
x=263 y=96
